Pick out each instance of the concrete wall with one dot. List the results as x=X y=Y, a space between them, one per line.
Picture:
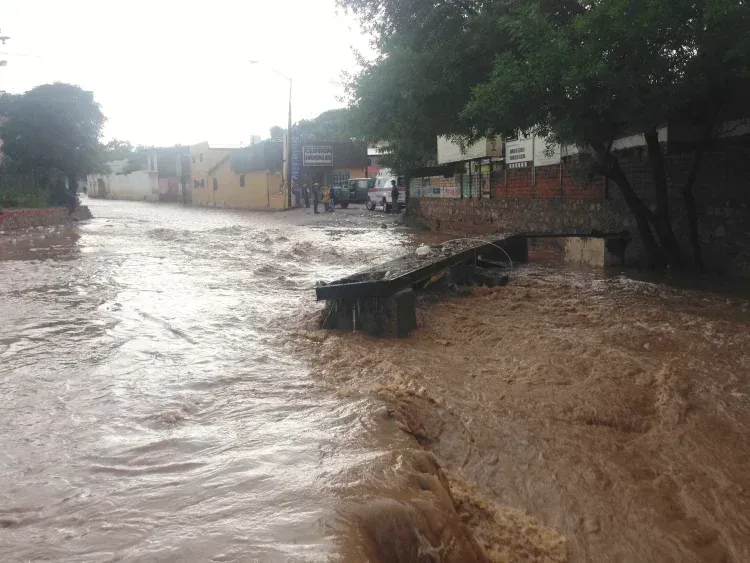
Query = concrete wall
x=138 y=186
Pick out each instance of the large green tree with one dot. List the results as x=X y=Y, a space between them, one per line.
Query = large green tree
x=331 y=125
x=117 y=150
x=53 y=132
x=583 y=71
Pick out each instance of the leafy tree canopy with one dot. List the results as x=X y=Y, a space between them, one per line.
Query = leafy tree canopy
x=53 y=130
x=117 y=150
x=277 y=133
x=331 y=125
x=582 y=71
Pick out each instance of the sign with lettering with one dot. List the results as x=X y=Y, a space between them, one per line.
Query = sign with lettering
x=296 y=156
x=313 y=155
x=519 y=152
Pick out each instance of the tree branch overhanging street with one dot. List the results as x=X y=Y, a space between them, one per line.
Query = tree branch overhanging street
x=582 y=73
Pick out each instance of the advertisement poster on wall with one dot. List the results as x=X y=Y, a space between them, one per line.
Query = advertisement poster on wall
x=316 y=155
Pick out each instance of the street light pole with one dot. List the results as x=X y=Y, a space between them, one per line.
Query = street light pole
x=288 y=171
x=289 y=151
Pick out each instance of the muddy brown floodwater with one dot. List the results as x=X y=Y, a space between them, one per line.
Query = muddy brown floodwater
x=166 y=395
x=152 y=407
x=615 y=411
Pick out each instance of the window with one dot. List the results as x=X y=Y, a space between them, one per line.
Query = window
x=196 y=185
x=203 y=183
x=242 y=181
x=193 y=160
x=201 y=157
x=216 y=184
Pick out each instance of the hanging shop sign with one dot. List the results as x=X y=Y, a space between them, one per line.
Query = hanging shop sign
x=315 y=155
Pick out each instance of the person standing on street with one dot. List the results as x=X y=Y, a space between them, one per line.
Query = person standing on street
x=306 y=195
x=316 y=197
x=394 y=197
x=326 y=198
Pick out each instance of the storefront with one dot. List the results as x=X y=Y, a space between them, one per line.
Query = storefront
x=330 y=163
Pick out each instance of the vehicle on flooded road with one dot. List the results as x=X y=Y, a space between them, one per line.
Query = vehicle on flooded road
x=359 y=189
x=380 y=194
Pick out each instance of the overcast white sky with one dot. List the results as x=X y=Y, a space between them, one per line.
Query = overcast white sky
x=176 y=71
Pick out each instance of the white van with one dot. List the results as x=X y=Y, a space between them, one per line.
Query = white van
x=380 y=194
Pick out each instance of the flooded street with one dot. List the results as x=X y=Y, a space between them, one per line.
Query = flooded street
x=166 y=395
x=151 y=408
x=615 y=411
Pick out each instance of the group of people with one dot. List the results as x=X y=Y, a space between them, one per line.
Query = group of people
x=324 y=195
x=327 y=196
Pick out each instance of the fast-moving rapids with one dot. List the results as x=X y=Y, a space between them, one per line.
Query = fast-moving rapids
x=151 y=408
x=166 y=395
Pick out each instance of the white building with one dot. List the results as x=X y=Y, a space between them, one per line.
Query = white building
x=139 y=185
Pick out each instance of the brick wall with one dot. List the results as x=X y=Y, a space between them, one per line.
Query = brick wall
x=546 y=182
x=555 y=199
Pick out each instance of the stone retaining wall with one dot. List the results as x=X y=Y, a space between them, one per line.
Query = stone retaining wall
x=18 y=219
x=478 y=216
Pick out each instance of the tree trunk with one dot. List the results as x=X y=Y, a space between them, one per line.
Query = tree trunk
x=72 y=195
x=407 y=192
x=662 y=223
x=689 y=197
x=654 y=256
x=695 y=243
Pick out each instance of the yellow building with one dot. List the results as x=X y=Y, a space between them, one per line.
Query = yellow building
x=248 y=178
x=252 y=177
x=203 y=158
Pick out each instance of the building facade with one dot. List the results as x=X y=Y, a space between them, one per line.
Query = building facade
x=202 y=158
x=331 y=163
x=124 y=183
x=247 y=178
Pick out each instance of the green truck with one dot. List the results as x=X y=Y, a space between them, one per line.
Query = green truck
x=353 y=191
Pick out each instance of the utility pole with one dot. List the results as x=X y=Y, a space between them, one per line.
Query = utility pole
x=288 y=171
x=289 y=151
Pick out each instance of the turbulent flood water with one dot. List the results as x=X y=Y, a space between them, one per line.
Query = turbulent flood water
x=166 y=396
x=151 y=408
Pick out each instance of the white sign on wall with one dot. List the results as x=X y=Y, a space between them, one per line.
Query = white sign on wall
x=313 y=155
x=519 y=152
x=545 y=154
x=450 y=151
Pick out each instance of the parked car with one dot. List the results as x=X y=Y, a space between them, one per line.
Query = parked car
x=380 y=193
x=359 y=189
